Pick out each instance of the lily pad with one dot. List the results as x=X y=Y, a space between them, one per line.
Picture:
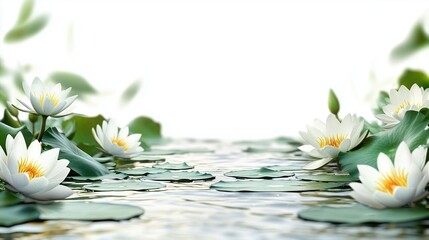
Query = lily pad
x=284 y=168
x=8 y=198
x=157 y=152
x=180 y=176
x=123 y=186
x=327 y=178
x=111 y=176
x=17 y=214
x=269 y=150
x=173 y=166
x=147 y=159
x=272 y=186
x=88 y=211
x=263 y=172
x=357 y=214
x=142 y=171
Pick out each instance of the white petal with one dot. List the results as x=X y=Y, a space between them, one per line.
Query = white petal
x=59 y=192
x=387 y=199
x=34 y=186
x=419 y=156
x=368 y=176
x=384 y=164
x=363 y=195
x=34 y=150
x=317 y=164
x=49 y=159
x=402 y=156
x=404 y=194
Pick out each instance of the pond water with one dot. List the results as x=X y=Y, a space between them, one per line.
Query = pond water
x=191 y=210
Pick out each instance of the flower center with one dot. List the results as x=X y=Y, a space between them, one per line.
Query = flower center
x=333 y=141
x=120 y=142
x=50 y=96
x=405 y=104
x=389 y=181
x=32 y=168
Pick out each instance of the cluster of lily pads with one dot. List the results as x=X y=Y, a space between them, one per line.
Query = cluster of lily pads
x=387 y=160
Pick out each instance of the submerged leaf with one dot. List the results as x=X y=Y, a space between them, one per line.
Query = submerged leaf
x=412 y=130
x=123 y=186
x=265 y=173
x=8 y=198
x=80 y=161
x=26 y=30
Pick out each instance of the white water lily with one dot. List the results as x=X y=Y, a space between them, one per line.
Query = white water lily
x=46 y=100
x=327 y=140
x=393 y=185
x=33 y=173
x=401 y=101
x=116 y=141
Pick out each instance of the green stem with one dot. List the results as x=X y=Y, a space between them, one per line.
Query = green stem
x=42 y=129
x=19 y=121
x=33 y=128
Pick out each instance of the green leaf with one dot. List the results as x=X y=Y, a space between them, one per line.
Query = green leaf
x=18 y=80
x=148 y=128
x=130 y=92
x=123 y=186
x=327 y=178
x=333 y=103
x=416 y=40
x=26 y=30
x=8 y=198
x=26 y=11
x=358 y=214
x=382 y=100
x=180 y=176
x=173 y=166
x=284 y=168
x=287 y=149
x=4 y=96
x=412 y=130
x=272 y=186
x=83 y=128
x=79 y=85
x=88 y=211
x=6 y=130
x=80 y=161
x=111 y=176
x=265 y=173
x=17 y=214
x=410 y=77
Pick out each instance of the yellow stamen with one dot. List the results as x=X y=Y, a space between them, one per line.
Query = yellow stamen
x=333 y=141
x=32 y=168
x=405 y=104
x=120 y=142
x=388 y=182
x=51 y=96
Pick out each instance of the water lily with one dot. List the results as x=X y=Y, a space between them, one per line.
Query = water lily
x=33 y=173
x=393 y=185
x=116 y=141
x=327 y=140
x=401 y=101
x=47 y=100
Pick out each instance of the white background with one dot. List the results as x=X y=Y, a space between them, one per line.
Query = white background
x=221 y=69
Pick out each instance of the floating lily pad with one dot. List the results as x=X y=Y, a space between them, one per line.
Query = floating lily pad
x=142 y=171
x=180 y=176
x=8 y=198
x=112 y=176
x=123 y=186
x=88 y=211
x=272 y=186
x=104 y=159
x=270 y=150
x=327 y=178
x=157 y=152
x=357 y=214
x=17 y=214
x=263 y=172
x=147 y=159
x=173 y=166
x=284 y=168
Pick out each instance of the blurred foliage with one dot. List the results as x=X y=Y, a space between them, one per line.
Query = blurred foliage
x=382 y=100
x=410 y=77
x=83 y=126
x=416 y=40
x=26 y=27
x=80 y=86
x=130 y=92
x=148 y=128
